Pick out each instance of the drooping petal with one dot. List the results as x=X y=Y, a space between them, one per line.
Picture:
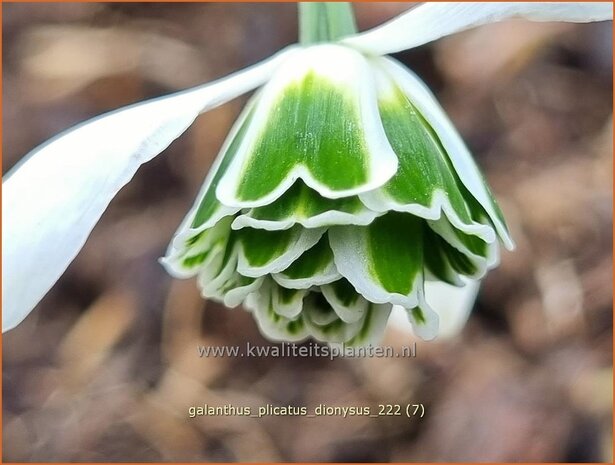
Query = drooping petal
x=219 y=279
x=372 y=327
x=302 y=205
x=432 y=20
x=273 y=325
x=190 y=239
x=461 y=159
x=287 y=302
x=451 y=254
x=318 y=121
x=383 y=261
x=324 y=323
x=452 y=304
x=425 y=322
x=198 y=251
x=480 y=255
x=207 y=209
x=425 y=184
x=55 y=196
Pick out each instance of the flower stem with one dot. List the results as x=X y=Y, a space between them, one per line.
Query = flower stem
x=325 y=21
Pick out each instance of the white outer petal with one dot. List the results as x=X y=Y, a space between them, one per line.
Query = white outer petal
x=452 y=304
x=54 y=197
x=433 y=20
x=461 y=158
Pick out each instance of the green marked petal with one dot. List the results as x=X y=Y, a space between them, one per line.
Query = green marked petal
x=349 y=305
x=271 y=324
x=424 y=320
x=324 y=324
x=207 y=210
x=302 y=205
x=314 y=268
x=318 y=121
x=425 y=183
x=221 y=281
x=238 y=287
x=383 y=261
x=437 y=265
x=461 y=159
x=373 y=325
x=467 y=254
x=187 y=256
x=287 y=302
x=264 y=252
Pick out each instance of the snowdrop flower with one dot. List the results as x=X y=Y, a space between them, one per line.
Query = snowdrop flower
x=342 y=191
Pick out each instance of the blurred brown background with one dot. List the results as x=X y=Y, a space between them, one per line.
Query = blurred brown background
x=106 y=367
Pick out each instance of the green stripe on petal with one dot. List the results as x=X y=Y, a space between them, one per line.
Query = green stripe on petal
x=223 y=283
x=383 y=261
x=209 y=207
x=188 y=255
x=437 y=265
x=314 y=268
x=318 y=121
x=349 y=305
x=287 y=302
x=425 y=322
x=425 y=183
x=373 y=325
x=459 y=155
x=207 y=210
x=272 y=325
x=302 y=205
x=324 y=324
x=319 y=311
x=482 y=256
x=264 y=252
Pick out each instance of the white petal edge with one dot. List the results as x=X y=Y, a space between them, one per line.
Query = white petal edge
x=306 y=240
x=290 y=310
x=55 y=196
x=461 y=158
x=350 y=314
x=212 y=281
x=433 y=20
x=259 y=304
x=377 y=317
x=214 y=238
x=348 y=245
x=328 y=218
x=483 y=264
x=326 y=276
x=440 y=204
x=185 y=229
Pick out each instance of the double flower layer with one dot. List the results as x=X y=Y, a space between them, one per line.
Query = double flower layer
x=348 y=191
x=341 y=190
